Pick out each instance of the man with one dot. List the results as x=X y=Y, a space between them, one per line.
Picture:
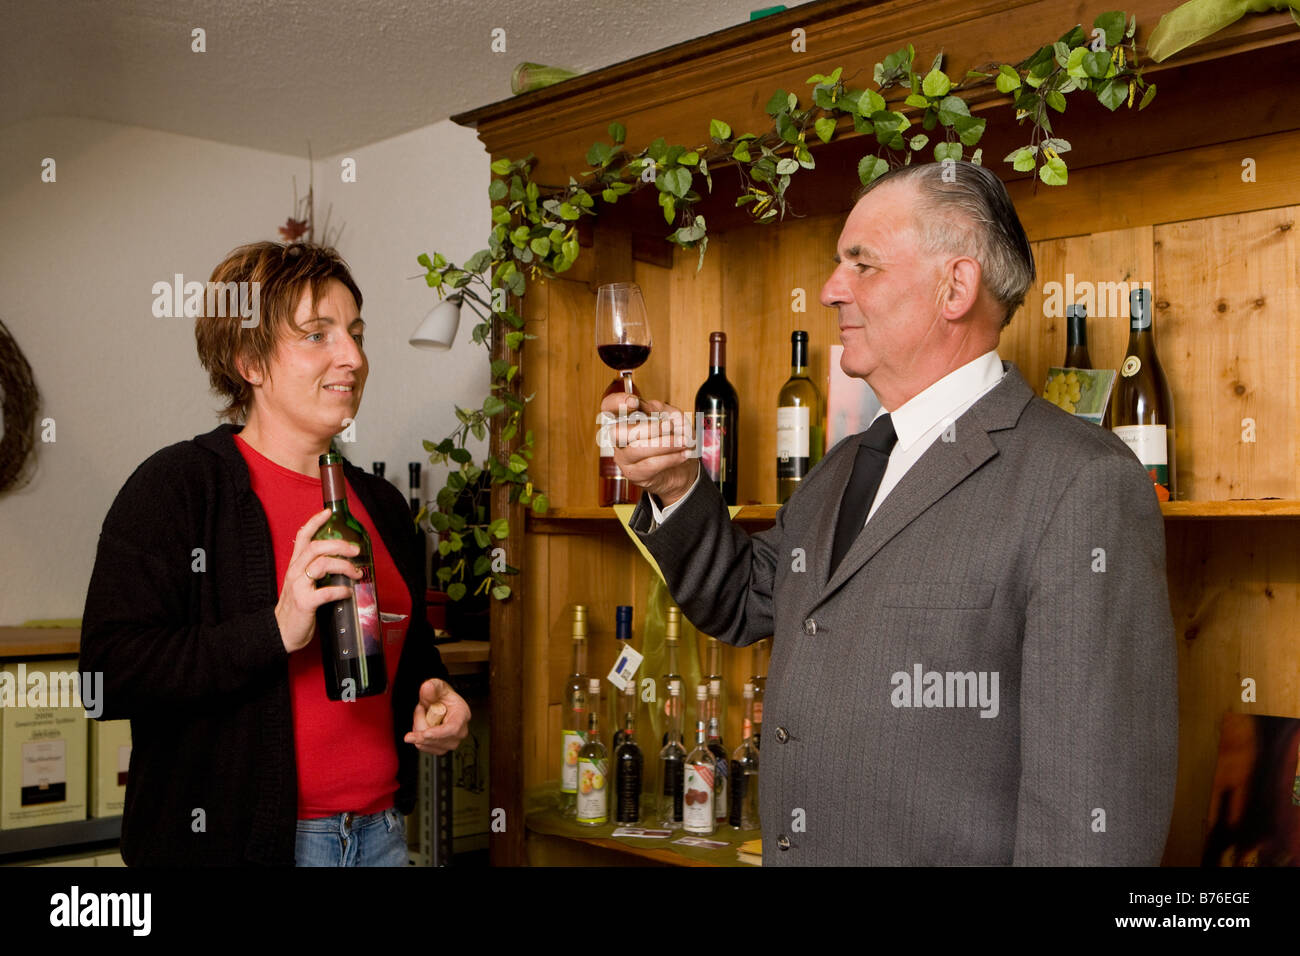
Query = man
x=973 y=657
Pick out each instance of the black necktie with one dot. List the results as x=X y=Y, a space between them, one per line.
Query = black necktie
x=873 y=456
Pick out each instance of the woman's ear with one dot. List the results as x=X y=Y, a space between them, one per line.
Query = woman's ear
x=247 y=372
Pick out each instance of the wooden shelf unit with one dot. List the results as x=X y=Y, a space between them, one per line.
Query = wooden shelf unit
x=1157 y=195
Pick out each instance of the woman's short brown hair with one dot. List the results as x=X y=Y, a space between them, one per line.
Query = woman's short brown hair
x=275 y=275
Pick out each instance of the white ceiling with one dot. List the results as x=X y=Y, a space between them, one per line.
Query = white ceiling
x=337 y=73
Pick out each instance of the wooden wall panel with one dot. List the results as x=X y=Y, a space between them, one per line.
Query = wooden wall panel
x=1233 y=587
x=1227 y=329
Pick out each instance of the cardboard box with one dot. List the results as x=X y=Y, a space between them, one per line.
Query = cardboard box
x=110 y=756
x=43 y=745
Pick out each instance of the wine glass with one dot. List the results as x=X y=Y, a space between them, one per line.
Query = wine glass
x=622 y=329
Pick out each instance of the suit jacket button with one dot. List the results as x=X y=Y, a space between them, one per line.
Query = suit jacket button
x=782 y=734
x=810 y=627
x=783 y=842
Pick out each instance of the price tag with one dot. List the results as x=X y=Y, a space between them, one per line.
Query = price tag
x=700 y=841
x=629 y=659
x=642 y=832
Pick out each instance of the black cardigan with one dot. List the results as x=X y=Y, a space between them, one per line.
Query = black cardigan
x=191 y=652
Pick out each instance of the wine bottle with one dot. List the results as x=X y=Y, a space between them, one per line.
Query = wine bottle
x=613 y=486
x=413 y=468
x=762 y=649
x=672 y=635
x=574 y=730
x=1076 y=347
x=717 y=416
x=719 y=751
x=744 y=772
x=701 y=768
x=672 y=762
x=627 y=763
x=800 y=437
x=377 y=469
x=622 y=634
x=593 y=765
x=1143 y=406
x=351 y=644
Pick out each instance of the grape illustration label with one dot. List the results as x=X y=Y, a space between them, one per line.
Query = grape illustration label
x=573 y=742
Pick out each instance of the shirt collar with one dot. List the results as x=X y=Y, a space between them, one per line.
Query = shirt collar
x=960 y=387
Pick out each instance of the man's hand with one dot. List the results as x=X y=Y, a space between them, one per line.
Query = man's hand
x=441 y=719
x=653 y=445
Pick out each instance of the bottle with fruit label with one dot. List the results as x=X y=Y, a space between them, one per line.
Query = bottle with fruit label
x=574 y=732
x=701 y=769
x=719 y=751
x=593 y=766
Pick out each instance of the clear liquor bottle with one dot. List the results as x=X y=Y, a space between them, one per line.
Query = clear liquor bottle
x=701 y=769
x=593 y=766
x=574 y=731
x=672 y=637
x=744 y=773
x=628 y=764
x=721 y=792
x=672 y=763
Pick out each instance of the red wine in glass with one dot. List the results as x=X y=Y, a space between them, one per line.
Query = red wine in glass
x=622 y=329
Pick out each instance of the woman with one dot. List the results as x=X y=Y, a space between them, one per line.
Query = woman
x=201 y=607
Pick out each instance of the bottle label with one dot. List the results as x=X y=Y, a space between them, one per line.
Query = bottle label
x=792 y=441
x=697 y=812
x=624 y=670
x=712 y=431
x=629 y=788
x=1132 y=365
x=747 y=729
x=1150 y=443
x=593 y=795
x=758 y=712
x=367 y=605
x=573 y=741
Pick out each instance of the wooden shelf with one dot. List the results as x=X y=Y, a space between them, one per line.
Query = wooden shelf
x=595 y=520
x=549 y=824
x=39 y=641
x=57 y=836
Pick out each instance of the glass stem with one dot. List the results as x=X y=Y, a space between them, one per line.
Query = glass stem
x=627 y=381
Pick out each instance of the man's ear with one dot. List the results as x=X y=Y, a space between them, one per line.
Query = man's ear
x=960 y=287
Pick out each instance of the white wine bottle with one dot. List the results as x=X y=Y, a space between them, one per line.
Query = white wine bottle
x=800 y=436
x=573 y=734
x=1142 y=408
x=593 y=766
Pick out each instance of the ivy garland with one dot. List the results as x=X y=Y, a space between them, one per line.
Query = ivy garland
x=534 y=231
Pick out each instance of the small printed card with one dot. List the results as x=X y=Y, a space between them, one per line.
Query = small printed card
x=700 y=841
x=642 y=832
x=629 y=659
x=1083 y=392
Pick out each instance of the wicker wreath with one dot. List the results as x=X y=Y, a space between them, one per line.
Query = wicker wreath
x=20 y=400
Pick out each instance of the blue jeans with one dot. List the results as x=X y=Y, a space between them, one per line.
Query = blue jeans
x=350 y=839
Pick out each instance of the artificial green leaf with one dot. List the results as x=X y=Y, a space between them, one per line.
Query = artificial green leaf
x=918 y=141
x=497 y=190
x=1074 y=65
x=1132 y=28
x=541 y=245
x=1147 y=97
x=501 y=167
x=786 y=128
x=825 y=127
x=599 y=154
x=1056 y=145
x=1096 y=64
x=741 y=153
x=501 y=592
x=1113 y=23
x=1112 y=93
x=567 y=211
x=1055 y=100
x=482 y=540
x=1061 y=52
x=455 y=590
x=499 y=528
x=719 y=130
x=1007 y=82
x=778 y=103
x=1053 y=172
x=969 y=129
x=786 y=166
x=917 y=100
x=870 y=168
x=947 y=151
x=540 y=504
x=617 y=132
x=936 y=83
x=870 y=103
x=677 y=181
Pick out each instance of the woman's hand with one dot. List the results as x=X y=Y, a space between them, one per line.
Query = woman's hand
x=438 y=700
x=299 y=597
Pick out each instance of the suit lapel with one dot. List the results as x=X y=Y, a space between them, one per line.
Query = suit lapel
x=944 y=466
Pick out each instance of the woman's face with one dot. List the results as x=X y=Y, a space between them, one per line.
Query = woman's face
x=318 y=372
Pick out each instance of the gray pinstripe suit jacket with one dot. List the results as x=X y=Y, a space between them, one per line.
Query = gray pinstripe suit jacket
x=1029 y=547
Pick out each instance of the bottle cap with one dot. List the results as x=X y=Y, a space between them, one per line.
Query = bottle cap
x=749 y=691
x=1076 y=311
x=674 y=688
x=623 y=614
x=715 y=687
x=701 y=693
x=593 y=685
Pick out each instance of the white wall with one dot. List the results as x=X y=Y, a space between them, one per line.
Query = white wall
x=132 y=206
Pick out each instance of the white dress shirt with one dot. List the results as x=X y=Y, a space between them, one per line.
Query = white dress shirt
x=918 y=423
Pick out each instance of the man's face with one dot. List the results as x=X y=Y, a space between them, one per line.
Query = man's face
x=885 y=288
x=318 y=372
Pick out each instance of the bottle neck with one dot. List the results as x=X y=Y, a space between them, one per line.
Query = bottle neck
x=717 y=357
x=579 y=657
x=1076 y=332
x=334 y=489
x=715 y=732
x=799 y=357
